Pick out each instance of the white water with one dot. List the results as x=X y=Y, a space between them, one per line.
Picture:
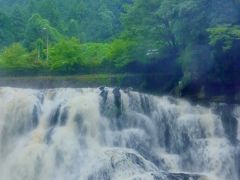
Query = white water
x=78 y=134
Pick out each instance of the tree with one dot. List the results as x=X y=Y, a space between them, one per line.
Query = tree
x=49 y=10
x=18 y=23
x=225 y=42
x=73 y=29
x=6 y=36
x=224 y=36
x=38 y=27
x=39 y=47
x=144 y=25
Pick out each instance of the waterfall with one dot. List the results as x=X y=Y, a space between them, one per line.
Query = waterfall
x=112 y=134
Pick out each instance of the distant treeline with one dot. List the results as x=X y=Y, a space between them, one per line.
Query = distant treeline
x=195 y=40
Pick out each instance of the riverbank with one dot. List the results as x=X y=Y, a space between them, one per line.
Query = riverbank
x=74 y=81
x=141 y=82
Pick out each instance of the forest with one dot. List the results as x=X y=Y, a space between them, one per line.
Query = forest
x=194 y=41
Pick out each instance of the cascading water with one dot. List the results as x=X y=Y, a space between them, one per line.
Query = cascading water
x=111 y=134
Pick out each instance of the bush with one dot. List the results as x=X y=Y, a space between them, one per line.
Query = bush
x=66 y=56
x=15 y=57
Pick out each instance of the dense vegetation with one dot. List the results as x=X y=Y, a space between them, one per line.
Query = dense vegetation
x=197 y=41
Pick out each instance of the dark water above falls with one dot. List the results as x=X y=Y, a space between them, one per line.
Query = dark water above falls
x=103 y=134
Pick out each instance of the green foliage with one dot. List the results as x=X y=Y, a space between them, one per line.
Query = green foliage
x=140 y=20
x=121 y=52
x=225 y=42
x=15 y=57
x=70 y=55
x=66 y=55
x=173 y=24
x=95 y=54
x=223 y=36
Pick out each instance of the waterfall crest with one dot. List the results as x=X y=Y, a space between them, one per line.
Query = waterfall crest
x=112 y=134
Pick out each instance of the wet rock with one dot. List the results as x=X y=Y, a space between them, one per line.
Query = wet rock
x=145 y=104
x=117 y=101
x=104 y=95
x=63 y=117
x=35 y=118
x=55 y=116
x=229 y=122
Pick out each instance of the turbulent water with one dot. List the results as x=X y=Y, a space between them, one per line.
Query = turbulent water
x=111 y=134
